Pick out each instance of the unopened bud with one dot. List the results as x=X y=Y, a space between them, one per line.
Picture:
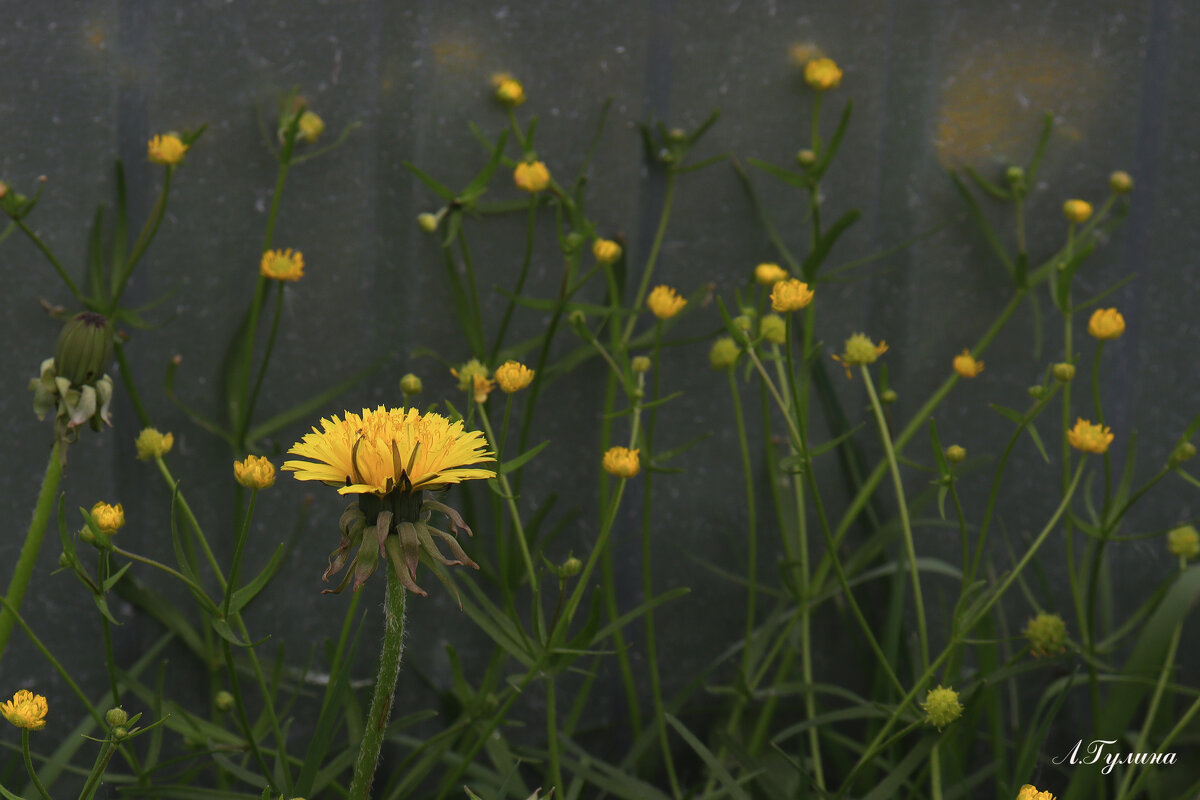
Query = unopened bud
x=1014 y=174
x=806 y=158
x=1064 y=372
x=571 y=567
x=224 y=701
x=120 y=733
x=116 y=717
x=1184 y=452
x=956 y=454
x=1037 y=392
x=889 y=396
x=572 y=242
x=640 y=364
x=428 y=222
x=1120 y=182
x=410 y=384
x=85 y=347
x=677 y=134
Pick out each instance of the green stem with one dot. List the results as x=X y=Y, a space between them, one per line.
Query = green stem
x=751 y=526
x=512 y=505
x=648 y=270
x=198 y=591
x=143 y=241
x=27 y=560
x=103 y=569
x=385 y=688
x=130 y=388
x=556 y=779
x=525 y=262
x=262 y=370
x=243 y=716
x=909 y=546
x=49 y=254
x=29 y=765
x=173 y=485
x=238 y=547
x=935 y=774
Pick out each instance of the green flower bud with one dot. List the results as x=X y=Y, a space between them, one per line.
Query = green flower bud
x=1047 y=635
x=116 y=717
x=743 y=322
x=806 y=158
x=573 y=242
x=1037 y=392
x=724 y=353
x=119 y=733
x=889 y=396
x=941 y=707
x=1064 y=372
x=773 y=329
x=956 y=454
x=1184 y=542
x=85 y=348
x=571 y=567
x=1014 y=174
x=1184 y=452
x=640 y=364
x=410 y=384
x=224 y=701
x=427 y=222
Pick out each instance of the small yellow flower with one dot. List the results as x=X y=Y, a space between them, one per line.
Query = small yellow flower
x=773 y=328
x=1089 y=438
x=152 y=444
x=770 y=274
x=1077 y=210
x=790 y=294
x=310 y=127
x=26 y=710
x=860 y=350
x=531 y=176
x=1120 y=182
x=168 y=149
x=255 y=472
x=510 y=91
x=282 y=265
x=966 y=366
x=665 y=302
x=621 y=462
x=468 y=372
x=513 y=376
x=941 y=707
x=1184 y=542
x=1047 y=635
x=109 y=519
x=724 y=353
x=481 y=388
x=822 y=74
x=606 y=251
x=956 y=454
x=1106 y=323
x=1029 y=792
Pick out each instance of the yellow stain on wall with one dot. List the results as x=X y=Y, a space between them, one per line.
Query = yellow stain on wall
x=993 y=99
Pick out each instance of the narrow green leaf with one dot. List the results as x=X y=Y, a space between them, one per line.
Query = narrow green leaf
x=985 y=227
x=814 y=260
x=308 y=407
x=439 y=189
x=241 y=597
x=514 y=464
x=717 y=768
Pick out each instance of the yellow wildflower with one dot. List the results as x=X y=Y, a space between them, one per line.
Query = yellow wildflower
x=1184 y=542
x=606 y=251
x=1106 y=323
x=282 y=265
x=531 y=176
x=1089 y=438
x=1077 y=210
x=152 y=444
x=467 y=373
x=860 y=350
x=513 y=376
x=109 y=519
x=167 y=149
x=510 y=91
x=769 y=274
x=941 y=707
x=621 y=462
x=1120 y=182
x=790 y=294
x=26 y=710
x=254 y=472
x=309 y=128
x=1029 y=792
x=665 y=302
x=1047 y=635
x=966 y=366
x=822 y=74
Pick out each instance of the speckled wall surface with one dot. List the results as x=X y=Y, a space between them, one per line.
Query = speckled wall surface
x=935 y=85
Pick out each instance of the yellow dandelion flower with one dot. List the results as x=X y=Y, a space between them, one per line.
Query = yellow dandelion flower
x=1089 y=438
x=167 y=149
x=770 y=274
x=531 y=176
x=606 y=251
x=941 y=707
x=1106 y=323
x=1077 y=210
x=254 y=472
x=109 y=519
x=621 y=462
x=860 y=350
x=513 y=376
x=966 y=365
x=26 y=710
x=1184 y=542
x=665 y=302
x=1030 y=792
x=791 y=295
x=152 y=444
x=282 y=265
x=822 y=74
x=309 y=128
x=379 y=450
x=388 y=459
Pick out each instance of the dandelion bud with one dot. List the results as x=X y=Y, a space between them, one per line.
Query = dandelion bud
x=109 y=519
x=1120 y=182
x=510 y=92
x=84 y=349
x=116 y=717
x=571 y=567
x=1064 y=372
x=224 y=701
x=640 y=364
x=1184 y=542
x=1047 y=635
x=427 y=222
x=966 y=365
x=941 y=707
x=724 y=353
x=411 y=385
x=167 y=149
x=956 y=454
x=806 y=158
x=1184 y=452
x=790 y=295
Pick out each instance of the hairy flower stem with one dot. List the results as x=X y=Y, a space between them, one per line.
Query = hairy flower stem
x=902 y=506
x=27 y=560
x=385 y=687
